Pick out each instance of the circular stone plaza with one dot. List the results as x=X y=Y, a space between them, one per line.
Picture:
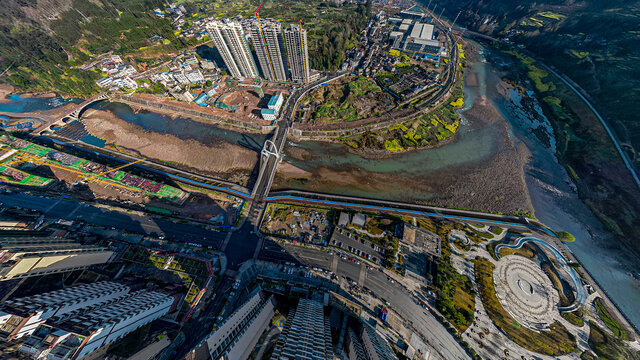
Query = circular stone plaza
x=526 y=292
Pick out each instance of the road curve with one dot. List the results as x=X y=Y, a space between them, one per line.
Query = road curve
x=613 y=137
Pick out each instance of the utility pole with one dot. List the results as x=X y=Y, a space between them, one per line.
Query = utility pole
x=454 y=21
x=429 y=4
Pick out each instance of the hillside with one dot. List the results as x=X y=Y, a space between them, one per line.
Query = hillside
x=593 y=42
x=41 y=41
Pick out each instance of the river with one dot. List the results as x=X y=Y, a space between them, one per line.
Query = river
x=558 y=206
x=19 y=104
x=181 y=127
x=400 y=177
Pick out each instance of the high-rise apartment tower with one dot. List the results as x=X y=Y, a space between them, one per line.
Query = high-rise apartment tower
x=233 y=47
x=269 y=47
x=297 y=53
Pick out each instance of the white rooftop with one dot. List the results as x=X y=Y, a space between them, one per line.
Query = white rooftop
x=422 y=31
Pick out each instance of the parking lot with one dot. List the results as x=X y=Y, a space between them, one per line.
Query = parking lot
x=357 y=245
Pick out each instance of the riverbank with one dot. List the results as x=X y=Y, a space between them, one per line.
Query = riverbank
x=5 y=90
x=492 y=181
x=217 y=157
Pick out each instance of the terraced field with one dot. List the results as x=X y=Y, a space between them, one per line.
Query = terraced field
x=348 y=100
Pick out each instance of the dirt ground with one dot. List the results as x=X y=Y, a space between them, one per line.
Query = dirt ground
x=5 y=90
x=225 y=160
x=246 y=99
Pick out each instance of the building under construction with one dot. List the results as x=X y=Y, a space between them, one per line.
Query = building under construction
x=297 y=53
x=266 y=36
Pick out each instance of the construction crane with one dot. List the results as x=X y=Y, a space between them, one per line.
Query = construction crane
x=264 y=41
x=22 y=156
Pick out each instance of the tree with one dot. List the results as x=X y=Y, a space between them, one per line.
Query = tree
x=565 y=236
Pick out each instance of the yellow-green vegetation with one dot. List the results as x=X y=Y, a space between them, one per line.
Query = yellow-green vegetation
x=535 y=73
x=565 y=236
x=458 y=103
x=424 y=131
x=524 y=251
x=552 y=15
x=461 y=51
x=575 y=317
x=579 y=54
x=403 y=57
x=349 y=100
x=553 y=342
x=609 y=347
x=393 y=145
x=478 y=234
x=456 y=296
x=532 y=21
x=552 y=274
x=609 y=320
x=552 y=100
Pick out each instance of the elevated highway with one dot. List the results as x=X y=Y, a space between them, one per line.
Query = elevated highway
x=408 y=209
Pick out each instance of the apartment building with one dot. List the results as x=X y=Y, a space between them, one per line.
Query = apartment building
x=237 y=336
x=24 y=257
x=270 y=50
x=20 y=317
x=82 y=332
x=232 y=44
x=297 y=53
x=306 y=334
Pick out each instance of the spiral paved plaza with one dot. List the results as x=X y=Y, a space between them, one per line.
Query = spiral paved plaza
x=526 y=292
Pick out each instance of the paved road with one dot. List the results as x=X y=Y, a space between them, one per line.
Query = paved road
x=74 y=210
x=407 y=209
x=376 y=281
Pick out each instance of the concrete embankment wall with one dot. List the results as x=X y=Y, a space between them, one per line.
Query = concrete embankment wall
x=178 y=110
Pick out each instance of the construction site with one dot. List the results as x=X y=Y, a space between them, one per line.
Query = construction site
x=20 y=158
x=228 y=98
